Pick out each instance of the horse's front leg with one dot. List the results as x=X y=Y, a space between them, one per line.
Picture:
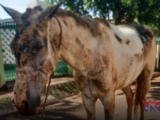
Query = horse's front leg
x=108 y=100
x=89 y=104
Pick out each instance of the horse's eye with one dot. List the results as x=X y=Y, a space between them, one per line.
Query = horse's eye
x=32 y=38
x=35 y=50
x=23 y=48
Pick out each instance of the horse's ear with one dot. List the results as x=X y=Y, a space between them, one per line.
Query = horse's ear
x=13 y=13
x=49 y=12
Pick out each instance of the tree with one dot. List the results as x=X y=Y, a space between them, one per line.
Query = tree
x=77 y=6
x=149 y=14
x=123 y=11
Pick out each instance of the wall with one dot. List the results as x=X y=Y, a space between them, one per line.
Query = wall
x=2 y=74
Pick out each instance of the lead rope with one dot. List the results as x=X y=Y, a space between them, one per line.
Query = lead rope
x=46 y=96
x=52 y=74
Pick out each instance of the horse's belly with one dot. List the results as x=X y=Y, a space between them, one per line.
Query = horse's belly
x=134 y=72
x=130 y=72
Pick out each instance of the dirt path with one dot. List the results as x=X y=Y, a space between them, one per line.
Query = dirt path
x=73 y=109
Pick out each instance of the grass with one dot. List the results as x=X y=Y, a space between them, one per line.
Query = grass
x=50 y=94
x=69 y=88
x=6 y=103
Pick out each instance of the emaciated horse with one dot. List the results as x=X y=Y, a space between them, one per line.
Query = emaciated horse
x=105 y=58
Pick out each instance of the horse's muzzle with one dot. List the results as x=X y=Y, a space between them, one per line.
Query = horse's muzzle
x=29 y=107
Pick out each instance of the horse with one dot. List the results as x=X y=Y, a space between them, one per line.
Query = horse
x=105 y=58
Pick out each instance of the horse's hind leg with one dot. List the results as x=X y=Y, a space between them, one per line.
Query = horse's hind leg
x=129 y=97
x=142 y=88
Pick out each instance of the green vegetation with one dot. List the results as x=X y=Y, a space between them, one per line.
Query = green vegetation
x=61 y=91
x=69 y=88
x=146 y=12
x=6 y=103
x=50 y=94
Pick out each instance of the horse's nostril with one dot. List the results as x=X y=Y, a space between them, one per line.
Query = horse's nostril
x=25 y=104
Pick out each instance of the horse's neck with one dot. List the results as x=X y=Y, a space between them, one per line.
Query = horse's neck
x=76 y=47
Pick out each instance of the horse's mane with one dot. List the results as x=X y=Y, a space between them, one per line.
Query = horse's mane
x=85 y=21
x=92 y=24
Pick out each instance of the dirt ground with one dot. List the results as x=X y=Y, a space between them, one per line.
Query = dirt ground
x=73 y=109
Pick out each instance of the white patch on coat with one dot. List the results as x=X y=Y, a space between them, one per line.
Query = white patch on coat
x=124 y=54
x=127 y=33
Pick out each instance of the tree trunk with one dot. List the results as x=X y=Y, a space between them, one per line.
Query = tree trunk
x=103 y=16
x=118 y=21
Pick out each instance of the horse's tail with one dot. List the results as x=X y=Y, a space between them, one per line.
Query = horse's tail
x=137 y=95
x=140 y=80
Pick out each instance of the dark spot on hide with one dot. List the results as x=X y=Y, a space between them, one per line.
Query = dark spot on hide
x=23 y=63
x=105 y=60
x=127 y=42
x=145 y=34
x=55 y=43
x=35 y=32
x=96 y=74
x=39 y=27
x=79 y=44
x=118 y=38
x=65 y=23
x=36 y=45
x=52 y=45
x=26 y=24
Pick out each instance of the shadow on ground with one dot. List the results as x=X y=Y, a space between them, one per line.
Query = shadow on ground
x=62 y=112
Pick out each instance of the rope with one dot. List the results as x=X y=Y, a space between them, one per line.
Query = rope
x=46 y=96
x=52 y=74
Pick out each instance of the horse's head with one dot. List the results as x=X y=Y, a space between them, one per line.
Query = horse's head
x=36 y=58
